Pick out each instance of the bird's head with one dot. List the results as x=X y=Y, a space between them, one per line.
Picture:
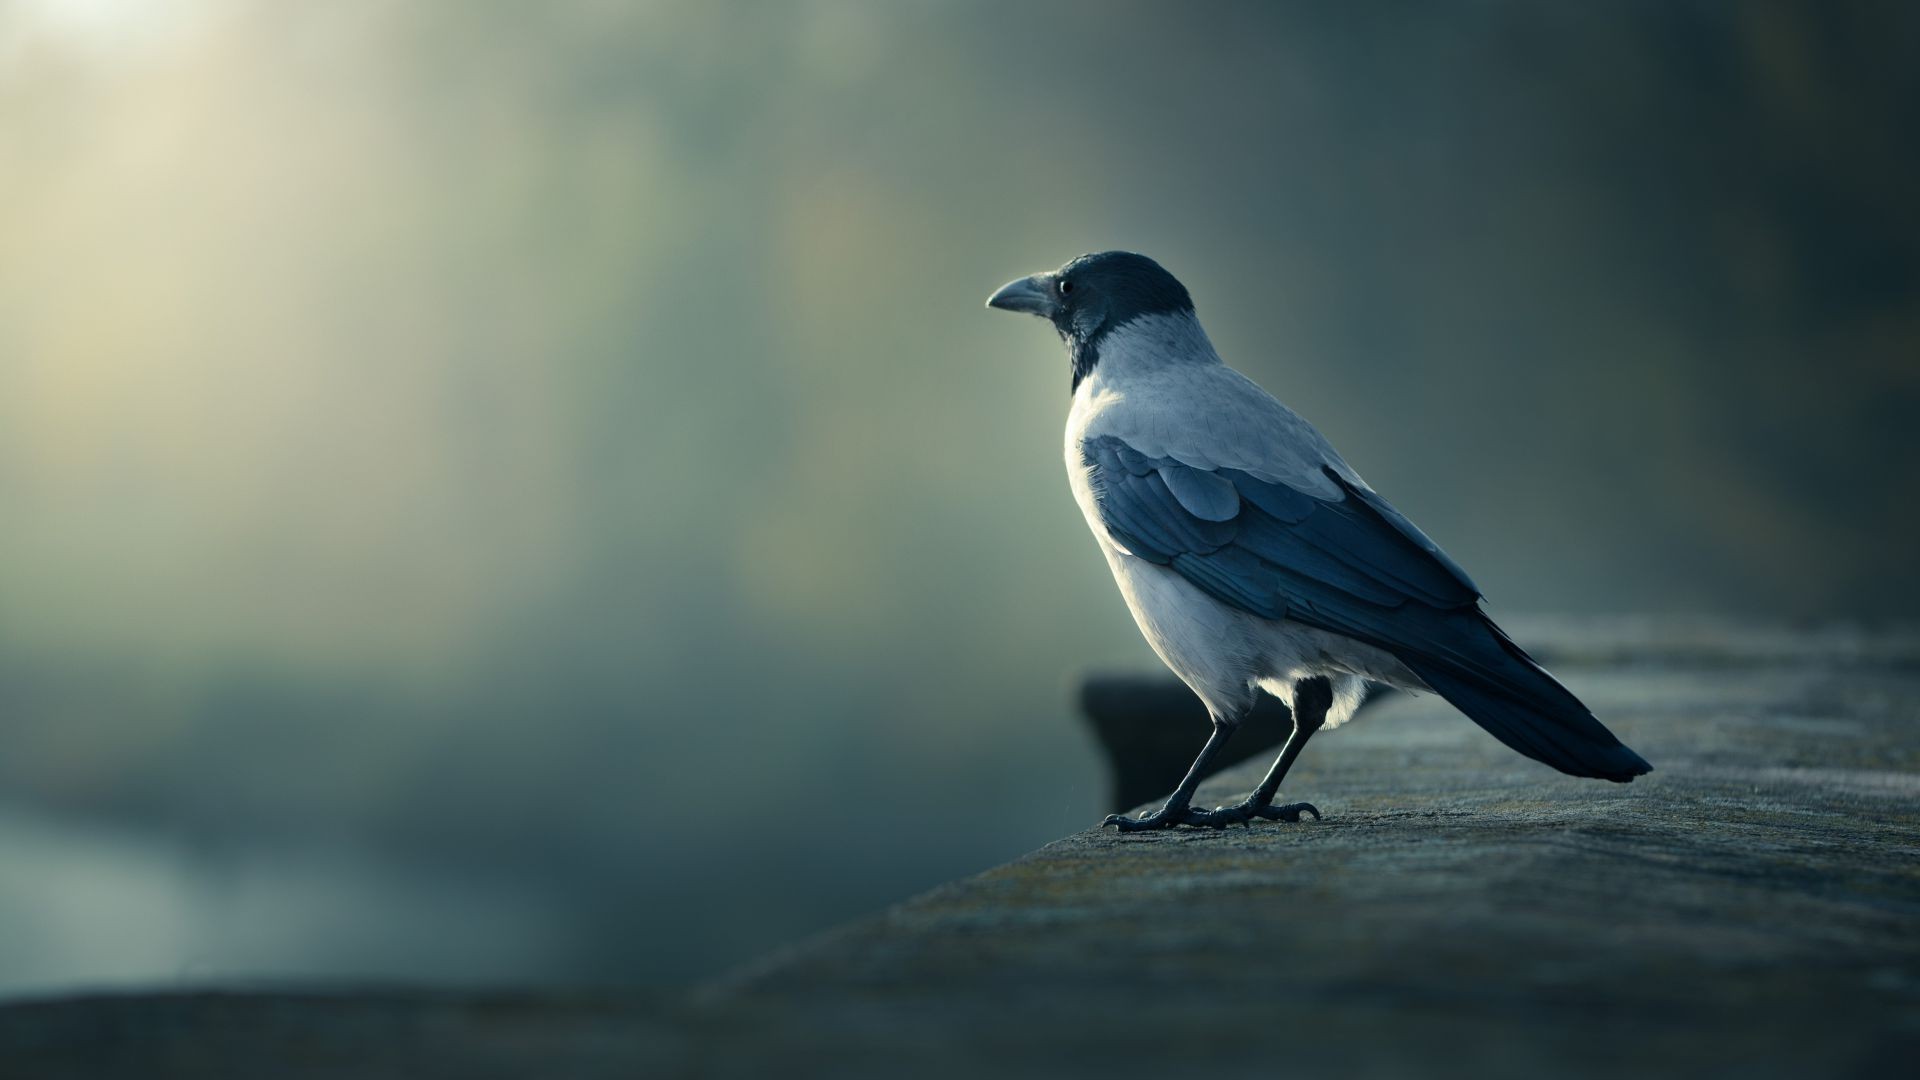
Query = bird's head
x=1094 y=295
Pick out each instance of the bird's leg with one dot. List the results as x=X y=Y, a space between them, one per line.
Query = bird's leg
x=1177 y=809
x=1311 y=700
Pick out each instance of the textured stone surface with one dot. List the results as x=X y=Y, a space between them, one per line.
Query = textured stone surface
x=1752 y=908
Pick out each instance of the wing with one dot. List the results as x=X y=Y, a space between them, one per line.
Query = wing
x=1348 y=563
x=1270 y=549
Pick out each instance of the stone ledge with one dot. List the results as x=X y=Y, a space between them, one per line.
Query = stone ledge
x=1752 y=908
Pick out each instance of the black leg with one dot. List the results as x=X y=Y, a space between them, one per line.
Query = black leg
x=1177 y=808
x=1311 y=700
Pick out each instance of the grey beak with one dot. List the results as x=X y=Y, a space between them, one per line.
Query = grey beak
x=1033 y=295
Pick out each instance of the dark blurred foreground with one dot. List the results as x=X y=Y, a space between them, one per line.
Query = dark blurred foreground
x=1751 y=909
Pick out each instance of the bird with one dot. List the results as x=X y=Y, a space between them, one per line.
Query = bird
x=1254 y=558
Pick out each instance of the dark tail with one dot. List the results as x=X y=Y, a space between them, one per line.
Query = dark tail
x=1500 y=687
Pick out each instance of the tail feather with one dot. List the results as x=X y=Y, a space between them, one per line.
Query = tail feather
x=1505 y=691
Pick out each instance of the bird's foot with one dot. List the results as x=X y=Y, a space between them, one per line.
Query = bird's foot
x=1163 y=818
x=1243 y=814
x=1218 y=818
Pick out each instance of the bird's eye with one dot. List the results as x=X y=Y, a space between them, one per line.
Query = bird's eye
x=1065 y=287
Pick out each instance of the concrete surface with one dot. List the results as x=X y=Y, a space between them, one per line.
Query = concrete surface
x=1752 y=908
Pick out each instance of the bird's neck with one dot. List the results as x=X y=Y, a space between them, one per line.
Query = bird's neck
x=1142 y=344
x=1084 y=356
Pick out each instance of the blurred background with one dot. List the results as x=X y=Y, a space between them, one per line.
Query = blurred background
x=506 y=492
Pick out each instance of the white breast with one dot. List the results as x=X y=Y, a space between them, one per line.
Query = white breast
x=1213 y=648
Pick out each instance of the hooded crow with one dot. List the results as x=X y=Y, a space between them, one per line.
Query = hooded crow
x=1254 y=558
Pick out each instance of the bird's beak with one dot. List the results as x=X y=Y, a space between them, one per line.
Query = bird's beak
x=1033 y=295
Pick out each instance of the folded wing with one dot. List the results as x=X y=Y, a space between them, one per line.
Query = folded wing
x=1351 y=565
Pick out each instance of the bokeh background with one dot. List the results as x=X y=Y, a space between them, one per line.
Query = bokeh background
x=510 y=491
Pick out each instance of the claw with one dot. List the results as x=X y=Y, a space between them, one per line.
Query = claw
x=1158 y=819
x=1144 y=821
x=1289 y=813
